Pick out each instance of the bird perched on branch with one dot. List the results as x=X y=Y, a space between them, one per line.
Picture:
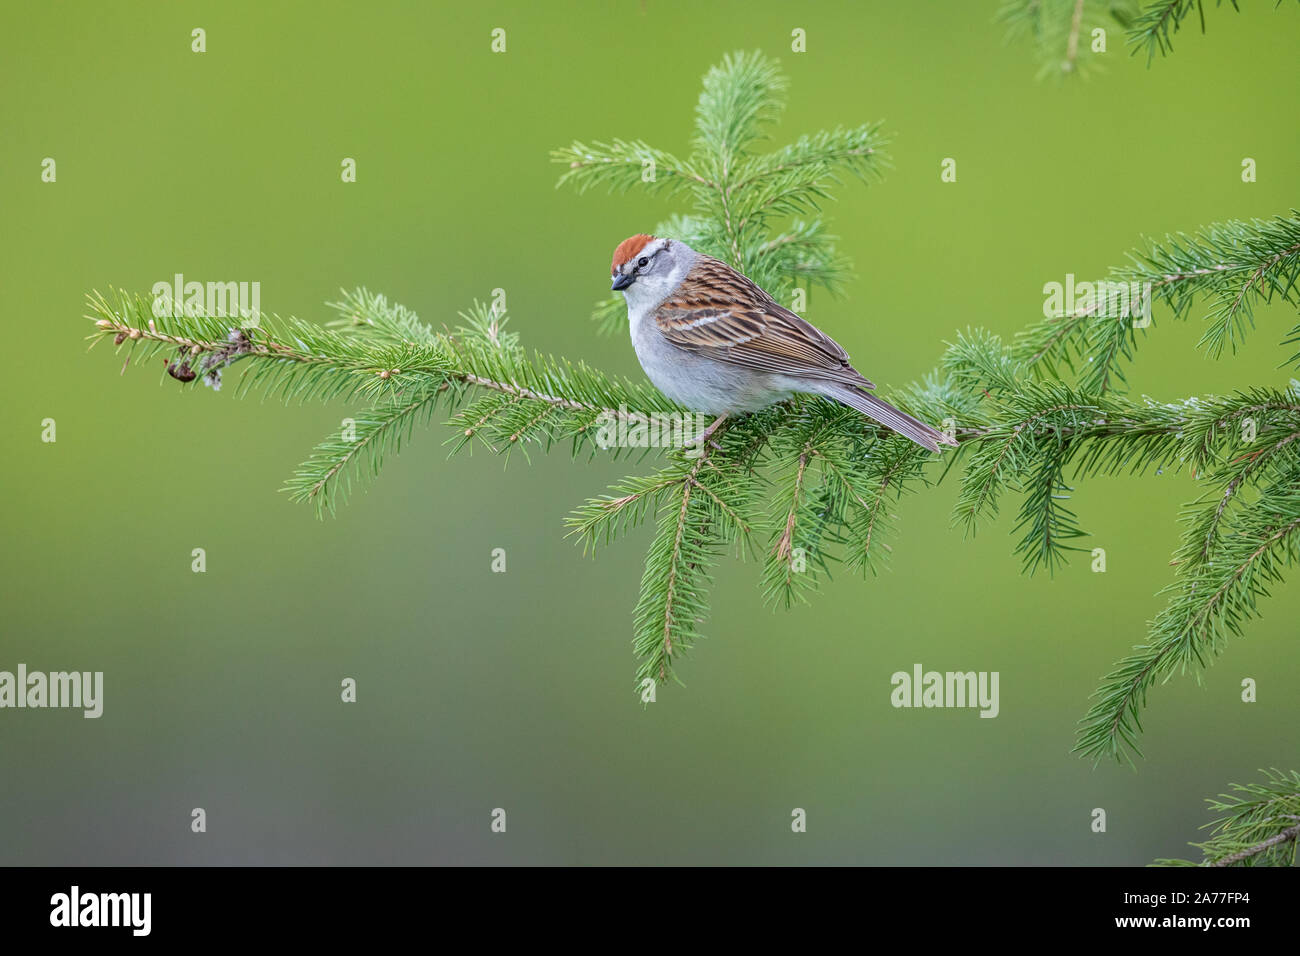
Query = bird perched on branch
x=712 y=340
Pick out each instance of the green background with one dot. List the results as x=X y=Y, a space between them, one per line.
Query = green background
x=480 y=690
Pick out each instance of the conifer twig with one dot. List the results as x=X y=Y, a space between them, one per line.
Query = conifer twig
x=1258 y=824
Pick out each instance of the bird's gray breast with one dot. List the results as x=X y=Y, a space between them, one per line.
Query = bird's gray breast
x=697 y=381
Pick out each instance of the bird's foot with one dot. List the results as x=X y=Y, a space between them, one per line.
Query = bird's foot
x=706 y=437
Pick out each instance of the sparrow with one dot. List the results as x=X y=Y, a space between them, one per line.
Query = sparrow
x=713 y=341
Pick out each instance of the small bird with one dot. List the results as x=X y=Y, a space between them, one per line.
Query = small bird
x=712 y=340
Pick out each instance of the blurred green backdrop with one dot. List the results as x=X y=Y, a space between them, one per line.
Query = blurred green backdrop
x=479 y=690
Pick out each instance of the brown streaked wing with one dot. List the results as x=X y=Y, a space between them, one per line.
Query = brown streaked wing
x=722 y=314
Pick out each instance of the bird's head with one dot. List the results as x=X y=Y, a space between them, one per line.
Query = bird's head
x=643 y=266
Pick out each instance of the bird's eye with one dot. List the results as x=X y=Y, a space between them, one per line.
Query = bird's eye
x=642 y=262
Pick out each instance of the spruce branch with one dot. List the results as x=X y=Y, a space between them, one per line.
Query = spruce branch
x=326 y=478
x=622 y=165
x=742 y=96
x=1259 y=824
x=1153 y=28
x=285 y=358
x=1060 y=30
x=704 y=508
x=1233 y=266
x=1210 y=601
x=794 y=509
x=1239 y=538
x=738 y=198
x=382 y=352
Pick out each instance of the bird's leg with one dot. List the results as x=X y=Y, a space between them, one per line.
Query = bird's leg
x=707 y=434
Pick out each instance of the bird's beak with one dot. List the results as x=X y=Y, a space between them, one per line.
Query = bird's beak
x=622 y=281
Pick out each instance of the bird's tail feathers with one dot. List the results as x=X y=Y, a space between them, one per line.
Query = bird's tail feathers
x=889 y=416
